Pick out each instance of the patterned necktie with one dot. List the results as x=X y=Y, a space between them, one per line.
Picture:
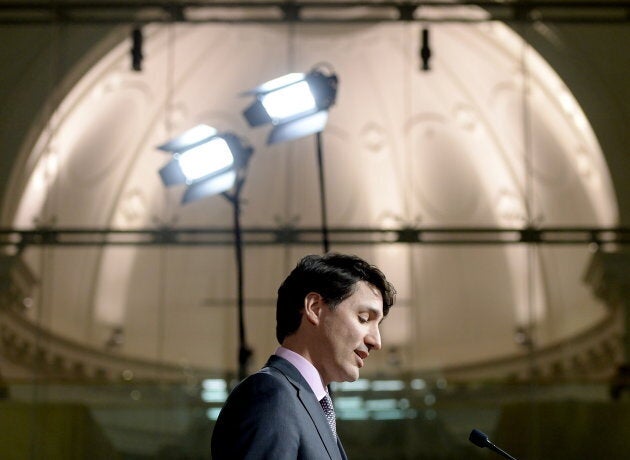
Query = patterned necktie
x=329 y=411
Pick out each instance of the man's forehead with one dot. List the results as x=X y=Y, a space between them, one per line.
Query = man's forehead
x=371 y=302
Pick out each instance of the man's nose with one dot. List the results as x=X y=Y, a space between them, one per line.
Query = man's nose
x=373 y=339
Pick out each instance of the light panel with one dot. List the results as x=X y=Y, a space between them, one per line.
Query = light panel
x=295 y=104
x=205 y=159
x=208 y=166
x=289 y=102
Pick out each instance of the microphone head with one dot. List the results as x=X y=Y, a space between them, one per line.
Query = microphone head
x=479 y=438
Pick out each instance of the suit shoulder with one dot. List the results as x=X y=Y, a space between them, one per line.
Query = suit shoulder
x=262 y=418
x=265 y=383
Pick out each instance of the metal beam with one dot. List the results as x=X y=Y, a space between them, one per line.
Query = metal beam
x=260 y=236
x=144 y=12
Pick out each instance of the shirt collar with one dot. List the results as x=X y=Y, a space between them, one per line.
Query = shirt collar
x=306 y=369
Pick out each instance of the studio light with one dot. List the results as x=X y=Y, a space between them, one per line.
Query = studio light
x=295 y=104
x=207 y=161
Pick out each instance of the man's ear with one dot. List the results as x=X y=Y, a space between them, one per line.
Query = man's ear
x=313 y=304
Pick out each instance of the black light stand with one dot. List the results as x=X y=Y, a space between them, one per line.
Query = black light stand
x=322 y=191
x=244 y=352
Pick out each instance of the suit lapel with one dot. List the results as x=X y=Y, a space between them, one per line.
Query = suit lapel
x=311 y=405
x=314 y=409
x=341 y=450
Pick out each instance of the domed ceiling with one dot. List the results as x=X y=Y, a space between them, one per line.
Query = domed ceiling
x=489 y=137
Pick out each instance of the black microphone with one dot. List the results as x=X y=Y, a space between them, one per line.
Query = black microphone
x=479 y=438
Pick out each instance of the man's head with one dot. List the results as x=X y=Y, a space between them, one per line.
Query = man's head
x=334 y=304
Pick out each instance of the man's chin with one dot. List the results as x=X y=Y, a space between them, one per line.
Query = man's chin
x=352 y=376
x=349 y=374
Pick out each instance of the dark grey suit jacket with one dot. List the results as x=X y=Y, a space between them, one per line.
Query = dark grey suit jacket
x=273 y=414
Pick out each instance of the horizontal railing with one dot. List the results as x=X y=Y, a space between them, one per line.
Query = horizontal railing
x=290 y=235
x=357 y=11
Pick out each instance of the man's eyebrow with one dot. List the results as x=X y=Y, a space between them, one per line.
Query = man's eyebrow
x=376 y=311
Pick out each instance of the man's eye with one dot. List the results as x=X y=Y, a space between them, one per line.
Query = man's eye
x=363 y=319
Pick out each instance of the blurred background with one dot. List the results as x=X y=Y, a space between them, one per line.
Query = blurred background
x=478 y=154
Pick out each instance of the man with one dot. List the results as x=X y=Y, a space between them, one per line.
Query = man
x=327 y=321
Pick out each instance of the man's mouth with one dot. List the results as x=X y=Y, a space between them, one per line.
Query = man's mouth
x=362 y=355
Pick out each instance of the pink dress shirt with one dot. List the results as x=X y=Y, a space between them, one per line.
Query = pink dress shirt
x=305 y=368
